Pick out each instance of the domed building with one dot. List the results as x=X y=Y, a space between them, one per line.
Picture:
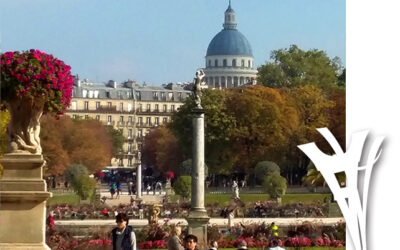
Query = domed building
x=229 y=59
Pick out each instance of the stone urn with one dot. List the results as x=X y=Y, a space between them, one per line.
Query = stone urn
x=24 y=127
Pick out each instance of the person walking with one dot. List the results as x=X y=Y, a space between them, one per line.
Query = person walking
x=123 y=236
x=174 y=242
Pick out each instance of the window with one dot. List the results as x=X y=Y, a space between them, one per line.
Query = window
x=242 y=63
x=129 y=133
x=163 y=96
x=155 y=96
x=120 y=162
x=73 y=105
x=109 y=104
x=121 y=118
x=140 y=120
x=73 y=116
x=172 y=108
x=86 y=105
x=139 y=133
x=164 y=120
x=216 y=63
x=98 y=117
x=171 y=96
x=86 y=117
x=180 y=96
x=148 y=120
x=109 y=119
x=148 y=107
x=84 y=93
x=234 y=63
x=249 y=64
x=96 y=94
x=108 y=94
x=128 y=95
x=156 y=108
x=130 y=162
x=121 y=107
x=140 y=107
x=129 y=118
x=209 y=63
x=157 y=121
x=97 y=105
x=165 y=108
x=90 y=93
x=138 y=96
x=130 y=147
x=129 y=107
x=224 y=63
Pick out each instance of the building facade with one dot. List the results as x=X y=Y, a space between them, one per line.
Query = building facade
x=229 y=58
x=128 y=107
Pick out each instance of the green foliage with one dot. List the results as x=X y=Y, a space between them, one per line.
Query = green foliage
x=74 y=171
x=295 y=67
x=315 y=178
x=72 y=200
x=275 y=185
x=84 y=186
x=183 y=186
x=264 y=168
x=117 y=139
x=4 y=120
x=185 y=168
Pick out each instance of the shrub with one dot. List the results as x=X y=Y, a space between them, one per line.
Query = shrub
x=264 y=168
x=75 y=171
x=183 y=186
x=84 y=186
x=275 y=185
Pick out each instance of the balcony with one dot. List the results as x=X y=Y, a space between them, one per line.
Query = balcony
x=130 y=124
x=110 y=123
x=107 y=109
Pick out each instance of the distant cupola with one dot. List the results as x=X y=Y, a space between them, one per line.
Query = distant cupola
x=230 y=18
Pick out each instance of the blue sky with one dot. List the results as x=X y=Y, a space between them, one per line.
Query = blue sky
x=160 y=41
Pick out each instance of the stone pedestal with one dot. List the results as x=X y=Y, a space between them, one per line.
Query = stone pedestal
x=23 y=196
x=198 y=218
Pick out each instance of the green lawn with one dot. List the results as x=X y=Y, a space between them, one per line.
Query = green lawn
x=70 y=199
x=223 y=199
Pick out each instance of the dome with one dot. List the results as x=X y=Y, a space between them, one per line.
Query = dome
x=229 y=42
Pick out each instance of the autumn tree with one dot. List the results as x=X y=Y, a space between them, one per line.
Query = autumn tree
x=68 y=141
x=265 y=119
x=161 y=150
x=294 y=67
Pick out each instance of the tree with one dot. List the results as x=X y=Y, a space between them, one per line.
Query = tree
x=264 y=168
x=84 y=186
x=314 y=177
x=185 y=168
x=161 y=150
x=66 y=141
x=117 y=139
x=219 y=125
x=183 y=186
x=294 y=67
x=75 y=171
x=275 y=185
x=265 y=120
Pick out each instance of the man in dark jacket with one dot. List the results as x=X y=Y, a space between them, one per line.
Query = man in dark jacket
x=123 y=236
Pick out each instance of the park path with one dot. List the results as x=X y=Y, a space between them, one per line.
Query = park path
x=126 y=199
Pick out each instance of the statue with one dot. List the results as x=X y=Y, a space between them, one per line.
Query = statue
x=197 y=86
x=235 y=190
x=154 y=211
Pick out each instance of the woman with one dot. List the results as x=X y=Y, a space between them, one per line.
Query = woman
x=123 y=237
x=174 y=242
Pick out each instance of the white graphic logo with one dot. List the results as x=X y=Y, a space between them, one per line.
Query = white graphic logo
x=352 y=202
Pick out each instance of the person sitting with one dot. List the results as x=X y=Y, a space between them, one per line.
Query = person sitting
x=190 y=242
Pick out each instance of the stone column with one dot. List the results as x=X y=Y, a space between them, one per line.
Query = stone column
x=23 y=195
x=139 y=182
x=198 y=218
